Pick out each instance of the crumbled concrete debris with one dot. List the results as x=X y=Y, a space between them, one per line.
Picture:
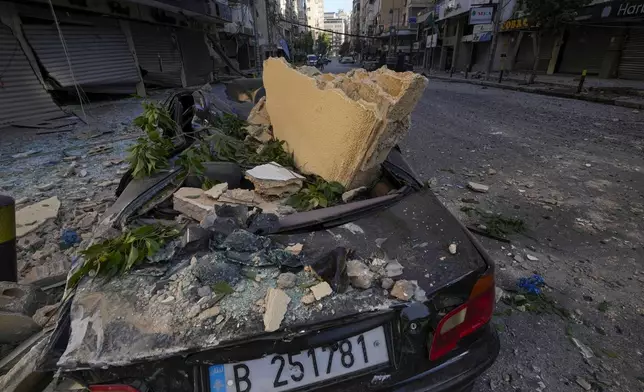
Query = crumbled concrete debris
x=294 y=249
x=276 y=302
x=404 y=290
x=321 y=290
x=259 y=132
x=377 y=265
x=209 y=313
x=16 y=327
x=192 y=202
x=219 y=319
x=274 y=180
x=286 y=280
x=33 y=216
x=359 y=274
x=499 y=294
x=476 y=187
x=259 y=115
x=46 y=316
x=213 y=268
x=25 y=154
x=371 y=113
x=585 y=351
x=393 y=268
x=353 y=228
x=351 y=194
x=204 y=291
x=491 y=171
x=452 y=249
x=217 y=190
x=531 y=257
x=20 y=298
x=419 y=294
x=583 y=383
x=387 y=283
x=46 y=187
x=25 y=376
x=241 y=196
x=49 y=273
x=308 y=299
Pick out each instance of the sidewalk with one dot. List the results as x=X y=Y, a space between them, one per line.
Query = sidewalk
x=626 y=93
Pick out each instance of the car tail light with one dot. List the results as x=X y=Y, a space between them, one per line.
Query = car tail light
x=112 y=388
x=465 y=319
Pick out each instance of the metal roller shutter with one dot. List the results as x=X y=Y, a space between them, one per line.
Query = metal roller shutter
x=631 y=64
x=22 y=96
x=525 y=56
x=98 y=55
x=158 y=54
x=585 y=48
x=196 y=58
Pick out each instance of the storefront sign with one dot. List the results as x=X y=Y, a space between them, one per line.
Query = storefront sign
x=481 y=15
x=432 y=41
x=412 y=19
x=612 y=10
x=482 y=37
x=483 y=28
x=517 y=24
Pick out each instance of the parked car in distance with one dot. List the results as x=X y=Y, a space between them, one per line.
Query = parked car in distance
x=347 y=60
x=326 y=60
x=311 y=60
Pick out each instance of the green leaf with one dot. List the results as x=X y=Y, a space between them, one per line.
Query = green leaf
x=222 y=288
x=132 y=258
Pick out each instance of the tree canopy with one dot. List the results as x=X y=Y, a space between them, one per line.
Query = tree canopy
x=345 y=48
x=323 y=43
x=551 y=14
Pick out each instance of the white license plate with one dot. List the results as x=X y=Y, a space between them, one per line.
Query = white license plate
x=283 y=372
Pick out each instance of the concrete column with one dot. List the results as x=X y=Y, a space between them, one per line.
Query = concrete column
x=457 y=44
x=556 y=50
x=9 y=17
x=125 y=28
x=514 y=51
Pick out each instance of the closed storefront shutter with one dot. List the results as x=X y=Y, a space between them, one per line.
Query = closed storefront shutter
x=525 y=56
x=158 y=54
x=99 y=55
x=585 y=48
x=631 y=64
x=196 y=58
x=22 y=96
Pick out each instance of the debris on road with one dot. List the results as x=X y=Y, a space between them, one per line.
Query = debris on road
x=452 y=249
x=404 y=290
x=321 y=290
x=276 y=302
x=33 y=216
x=531 y=284
x=585 y=351
x=274 y=180
x=476 y=187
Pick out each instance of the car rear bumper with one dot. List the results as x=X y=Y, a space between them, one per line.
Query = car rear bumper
x=459 y=372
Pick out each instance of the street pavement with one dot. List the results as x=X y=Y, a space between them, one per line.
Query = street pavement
x=573 y=173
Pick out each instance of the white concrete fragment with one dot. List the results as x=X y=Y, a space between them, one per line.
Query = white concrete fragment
x=294 y=249
x=476 y=187
x=217 y=190
x=452 y=249
x=192 y=202
x=33 y=216
x=272 y=179
x=321 y=290
x=276 y=303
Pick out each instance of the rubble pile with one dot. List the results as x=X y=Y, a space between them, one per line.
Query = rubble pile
x=340 y=127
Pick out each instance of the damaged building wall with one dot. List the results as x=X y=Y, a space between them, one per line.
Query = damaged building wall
x=158 y=54
x=350 y=122
x=21 y=94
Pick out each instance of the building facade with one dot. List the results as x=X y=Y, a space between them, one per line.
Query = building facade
x=338 y=23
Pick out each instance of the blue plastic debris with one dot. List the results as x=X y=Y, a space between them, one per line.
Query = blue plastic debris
x=532 y=284
x=68 y=238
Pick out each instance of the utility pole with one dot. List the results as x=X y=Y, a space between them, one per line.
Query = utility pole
x=495 y=38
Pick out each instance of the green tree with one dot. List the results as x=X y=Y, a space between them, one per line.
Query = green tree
x=307 y=42
x=549 y=15
x=345 y=48
x=323 y=43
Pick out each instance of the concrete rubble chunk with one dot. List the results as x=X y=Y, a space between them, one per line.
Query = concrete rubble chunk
x=452 y=249
x=217 y=190
x=295 y=249
x=210 y=313
x=476 y=187
x=404 y=290
x=308 y=299
x=259 y=115
x=272 y=179
x=20 y=298
x=321 y=290
x=286 y=280
x=192 y=202
x=387 y=283
x=340 y=127
x=16 y=327
x=240 y=196
x=359 y=274
x=350 y=195
x=25 y=376
x=261 y=133
x=35 y=215
x=393 y=268
x=51 y=272
x=46 y=315
x=276 y=302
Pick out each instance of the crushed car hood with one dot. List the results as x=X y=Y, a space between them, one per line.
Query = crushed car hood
x=155 y=312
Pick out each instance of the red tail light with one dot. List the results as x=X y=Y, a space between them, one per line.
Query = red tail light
x=465 y=319
x=112 y=388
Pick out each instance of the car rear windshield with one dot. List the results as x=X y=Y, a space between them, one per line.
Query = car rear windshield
x=312 y=57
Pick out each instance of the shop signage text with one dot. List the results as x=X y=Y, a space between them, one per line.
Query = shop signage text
x=483 y=28
x=612 y=10
x=517 y=24
x=432 y=41
x=481 y=15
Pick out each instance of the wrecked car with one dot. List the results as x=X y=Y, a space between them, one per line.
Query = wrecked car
x=274 y=280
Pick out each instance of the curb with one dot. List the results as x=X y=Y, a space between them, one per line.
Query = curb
x=540 y=91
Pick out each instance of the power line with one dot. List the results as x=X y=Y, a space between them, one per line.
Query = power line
x=328 y=31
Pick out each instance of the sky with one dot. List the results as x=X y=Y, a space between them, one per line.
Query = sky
x=334 y=5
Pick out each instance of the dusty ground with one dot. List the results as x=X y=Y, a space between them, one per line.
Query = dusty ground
x=573 y=172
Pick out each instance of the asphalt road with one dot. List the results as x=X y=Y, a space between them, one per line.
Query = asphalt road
x=572 y=173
